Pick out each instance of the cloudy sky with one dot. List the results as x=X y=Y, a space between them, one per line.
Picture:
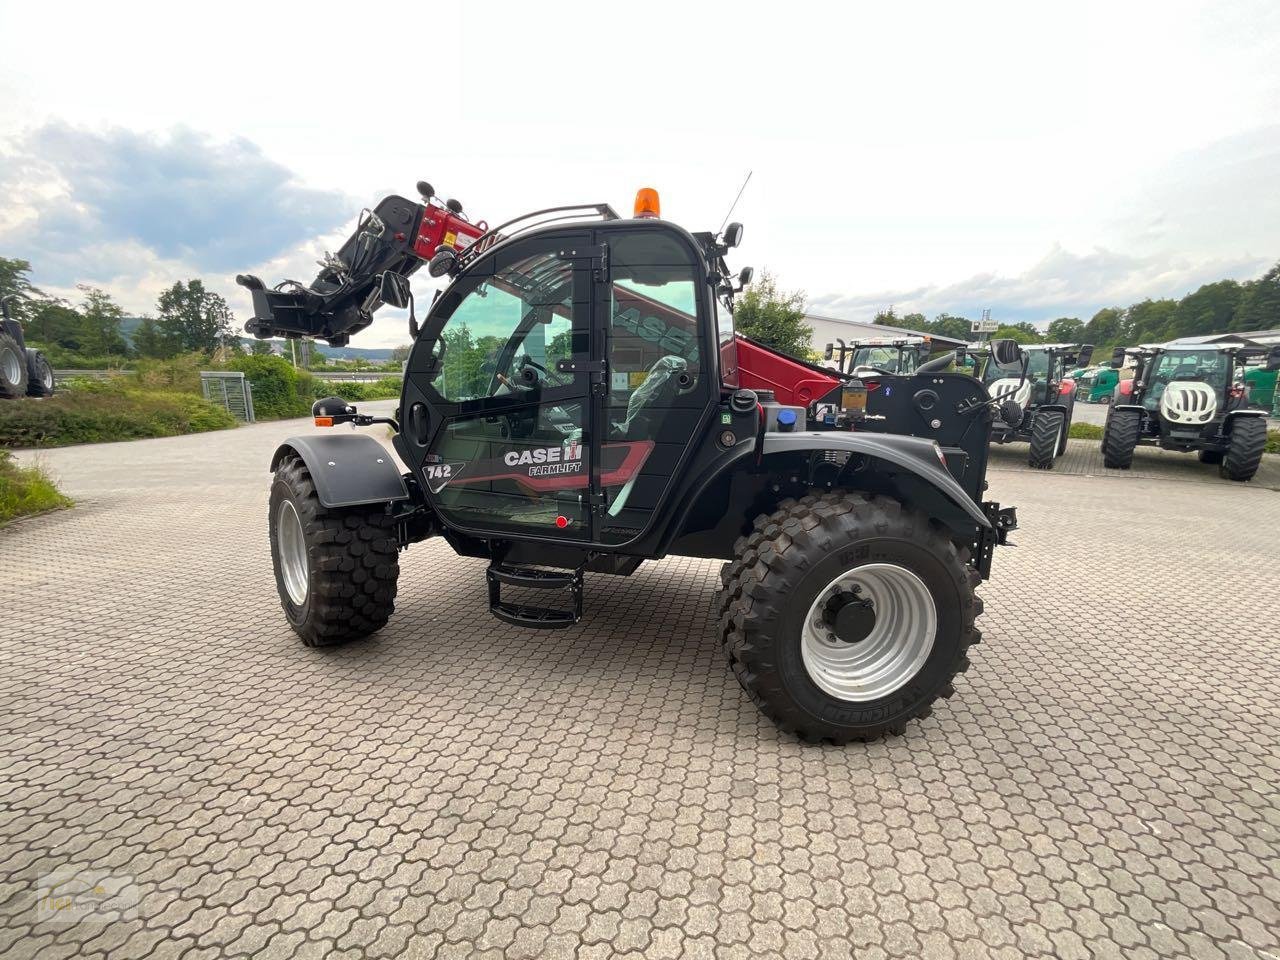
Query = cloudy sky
x=1038 y=160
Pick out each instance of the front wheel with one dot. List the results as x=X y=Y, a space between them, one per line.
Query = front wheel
x=1120 y=438
x=39 y=375
x=1244 y=451
x=336 y=570
x=13 y=368
x=1048 y=436
x=845 y=616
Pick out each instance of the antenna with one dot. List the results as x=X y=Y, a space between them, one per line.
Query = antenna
x=735 y=202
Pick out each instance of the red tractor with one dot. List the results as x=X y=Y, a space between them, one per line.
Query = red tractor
x=576 y=401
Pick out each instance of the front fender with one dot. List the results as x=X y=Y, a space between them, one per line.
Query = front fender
x=916 y=455
x=348 y=469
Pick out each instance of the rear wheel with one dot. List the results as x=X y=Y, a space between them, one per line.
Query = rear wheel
x=13 y=368
x=845 y=616
x=336 y=570
x=1244 y=452
x=1048 y=435
x=39 y=375
x=1120 y=438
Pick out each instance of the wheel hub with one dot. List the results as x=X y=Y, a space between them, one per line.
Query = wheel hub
x=850 y=616
x=869 y=632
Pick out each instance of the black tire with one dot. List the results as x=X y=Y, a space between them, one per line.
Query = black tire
x=1210 y=456
x=1066 y=426
x=352 y=562
x=1244 y=452
x=13 y=368
x=790 y=557
x=39 y=375
x=1120 y=438
x=1048 y=433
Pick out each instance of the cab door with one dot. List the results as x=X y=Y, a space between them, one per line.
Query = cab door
x=660 y=378
x=506 y=435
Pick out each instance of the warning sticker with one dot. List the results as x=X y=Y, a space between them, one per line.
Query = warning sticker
x=638 y=377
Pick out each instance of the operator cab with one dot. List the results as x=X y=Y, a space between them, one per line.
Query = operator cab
x=559 y=381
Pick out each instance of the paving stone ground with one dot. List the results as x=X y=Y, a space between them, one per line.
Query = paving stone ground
x=1104 y=783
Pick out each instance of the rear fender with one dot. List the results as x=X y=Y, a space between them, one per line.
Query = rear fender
x=918 y=471
x=348 y=470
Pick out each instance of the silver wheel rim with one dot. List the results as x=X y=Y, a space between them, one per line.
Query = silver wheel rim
x=46 y=376
x=9 y=362
x=891 y=653
x=292 y=549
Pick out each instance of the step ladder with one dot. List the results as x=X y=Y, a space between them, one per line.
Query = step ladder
x=534 y=578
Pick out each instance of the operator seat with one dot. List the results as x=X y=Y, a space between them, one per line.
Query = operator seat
x=658 y=390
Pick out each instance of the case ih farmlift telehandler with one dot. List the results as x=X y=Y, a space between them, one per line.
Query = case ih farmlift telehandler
x=1190 y=397
x=576 y=400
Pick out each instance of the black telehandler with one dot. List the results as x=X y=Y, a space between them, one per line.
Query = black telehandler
x=24 y=372
x=576 y=401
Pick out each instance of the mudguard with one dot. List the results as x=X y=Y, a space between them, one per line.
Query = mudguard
x=348 y=469
x=913 y=454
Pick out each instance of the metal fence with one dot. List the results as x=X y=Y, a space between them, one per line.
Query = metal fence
x=230 y=390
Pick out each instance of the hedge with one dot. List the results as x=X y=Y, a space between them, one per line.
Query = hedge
x=96 y=412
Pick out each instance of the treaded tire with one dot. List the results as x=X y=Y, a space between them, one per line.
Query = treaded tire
x=13 y=368
x=352 y=563
x=1048 y=430
x=788 y=558
x=1066 y=426
x=39 y=375
x=1210 y=456
x=1120 y=438
x=1244 y=452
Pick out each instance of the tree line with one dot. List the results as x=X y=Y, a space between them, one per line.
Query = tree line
x=1227 y=306
x=189 y=318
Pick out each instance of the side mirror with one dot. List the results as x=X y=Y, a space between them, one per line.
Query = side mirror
x=1005 y=353
x=1273 y=358
x=1117 y=358
x=443 y=261
x=826 y=354
x=394 y=290
x=1086 y=354
x=331 y=411
x=745 y=275
x=732 y=235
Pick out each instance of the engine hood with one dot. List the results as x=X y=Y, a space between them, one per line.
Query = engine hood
x=1193 y=404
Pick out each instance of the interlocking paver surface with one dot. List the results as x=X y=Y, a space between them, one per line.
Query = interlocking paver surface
x=1104 y=784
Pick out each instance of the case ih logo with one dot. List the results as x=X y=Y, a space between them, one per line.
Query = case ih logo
x=569 y=453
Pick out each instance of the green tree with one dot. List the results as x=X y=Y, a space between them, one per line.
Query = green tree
x=1021 y=332
x=260 y=348
x=15 y=283
x=194 y=318
x=948 y=325
x=1148 y=321
x=54 y=321
x=151 y=340
x=1105 y=327
x=1065 y=330
x=1210 y=309
x=1259 y=307
x=772 y=317
x=100 y=324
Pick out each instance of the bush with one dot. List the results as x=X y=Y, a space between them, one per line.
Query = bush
x=25 y=490
x=106 y=410
x=60 y=358
x=279 y=390
x=388 y=388
x=180 y=373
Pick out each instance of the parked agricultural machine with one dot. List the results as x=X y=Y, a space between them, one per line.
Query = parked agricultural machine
x=1190 y=398
x=576 y=400
x=24 y=372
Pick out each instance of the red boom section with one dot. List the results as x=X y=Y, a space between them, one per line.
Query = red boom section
x=794 y=382
x=440 y=226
